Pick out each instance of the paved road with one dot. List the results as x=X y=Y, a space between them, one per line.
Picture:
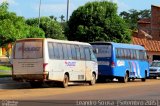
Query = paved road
x=137 y=90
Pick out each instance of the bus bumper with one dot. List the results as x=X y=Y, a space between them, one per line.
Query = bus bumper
x=30 y=77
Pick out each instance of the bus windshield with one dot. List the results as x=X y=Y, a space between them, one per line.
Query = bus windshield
x=103 y=50
x=28 y=49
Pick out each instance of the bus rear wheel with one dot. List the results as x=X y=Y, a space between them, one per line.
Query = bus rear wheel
x=93 y=80
x=144 y=79
x=65 y=81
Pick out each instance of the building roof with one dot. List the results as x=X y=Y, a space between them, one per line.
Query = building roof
x=144 y=21
x=145 y=34
x=150 y=45
x=155 y=6
x=141 y=34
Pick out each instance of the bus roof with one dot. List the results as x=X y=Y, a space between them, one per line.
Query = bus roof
x=55 y=40
x=121 y=45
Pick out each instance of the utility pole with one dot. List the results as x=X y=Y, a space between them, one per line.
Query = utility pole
x=67 y=9
x=39 y=13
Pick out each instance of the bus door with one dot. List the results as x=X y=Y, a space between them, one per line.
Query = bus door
x=80 y=63
x=88 y=63
x=134 y=64
x=143 y=64
x=77 y=64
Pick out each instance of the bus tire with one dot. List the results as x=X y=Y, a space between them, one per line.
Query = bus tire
x=129 y=79
x=65 y=81
x=93 y=81
x=124 y=79
x=154 y=77
x=144 y=79
x=35 y=84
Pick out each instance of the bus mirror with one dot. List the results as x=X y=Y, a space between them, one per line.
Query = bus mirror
x=95 y=51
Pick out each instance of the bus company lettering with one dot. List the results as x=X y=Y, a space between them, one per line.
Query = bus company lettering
x=70 y=63
x=28 y=49
x=32 y=48
x=120 y=63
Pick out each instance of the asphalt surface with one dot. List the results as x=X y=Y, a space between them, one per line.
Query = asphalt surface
x=74 y=95
x=8 y=83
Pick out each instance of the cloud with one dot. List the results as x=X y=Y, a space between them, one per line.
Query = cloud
x=121 y=5
x=54 y=9
x=11 y=2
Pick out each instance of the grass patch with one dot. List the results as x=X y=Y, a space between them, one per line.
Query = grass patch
x=5 y=74
x=5 y=68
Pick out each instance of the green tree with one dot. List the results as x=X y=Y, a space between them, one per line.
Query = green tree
x=35 y=32
x=145 y=13
x=49 y=25
x=62 y=18
x=97 y=21
x=53 y=17
x=133 y=16
x=13 y=27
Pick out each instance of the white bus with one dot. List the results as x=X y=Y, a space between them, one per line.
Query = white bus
x=39 y=60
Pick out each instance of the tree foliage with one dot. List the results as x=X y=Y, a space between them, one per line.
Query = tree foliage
x=49 y=25
x=97 y=21
x=133 y=16
x=13 y=27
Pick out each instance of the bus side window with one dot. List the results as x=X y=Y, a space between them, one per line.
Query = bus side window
x=78 y=52
x=87 y=54
x=132 y=54
x=137 y=54
x=82 y=53
x=128 y=54
x=56 y=51
x=142 y=55
x=60 y=50
x=122 y=54
x=125 y=53
x=117 y=53
x=69 y=51
x=65 y=52
x=74 y=54
x=50 y=50
x=93 y=57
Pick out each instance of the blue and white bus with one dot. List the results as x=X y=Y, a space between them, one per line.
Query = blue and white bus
x=121 y=61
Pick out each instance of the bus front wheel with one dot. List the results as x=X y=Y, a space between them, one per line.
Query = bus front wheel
x=124 y=79
x=93 y=81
